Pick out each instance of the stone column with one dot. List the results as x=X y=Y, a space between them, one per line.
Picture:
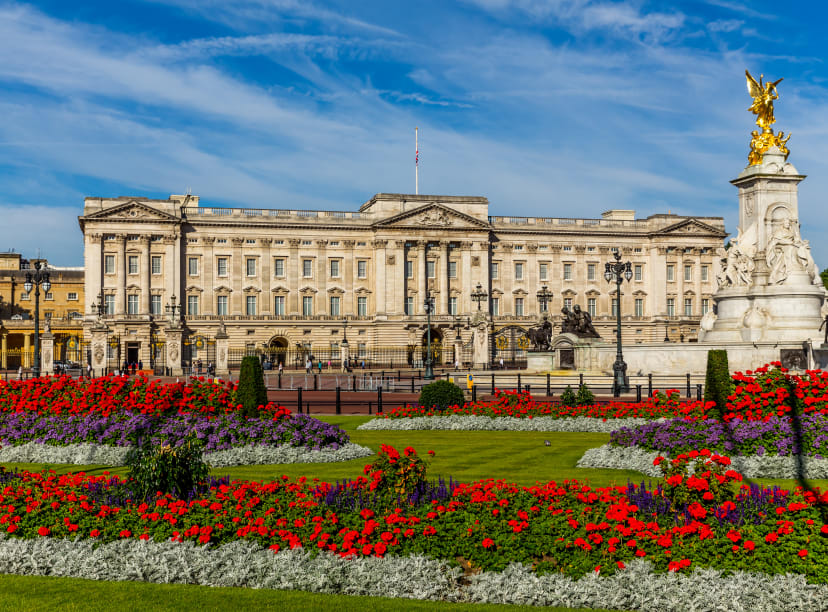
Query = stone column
x=293 y=280
x=266 y=276
x=464 y=305
x=93 y=269
x=458 y=351
x=170 y=275
x=344 y=353
x=531 y=305
x=173 y=345
x=145 y=273
x=4 y=347
x=399 y=281
x=47 y=353
x=208 y=299
x=120 y=276
x=25 y=359
x=379 y=268
x=322 y=273
x=237 y=276
x=98 y=349
x=422 y=246
x=222 y=349
x=442 y=272
x=349 y=263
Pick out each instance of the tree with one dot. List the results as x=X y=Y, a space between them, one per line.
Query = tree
x=251 y=392
x=824 y=276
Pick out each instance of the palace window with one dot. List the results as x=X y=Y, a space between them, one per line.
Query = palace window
x=590 y=272
x=278 y=267
x=409 y=269
x=132 y=304
x=614 y=307
x=307 y=305
x=688 y=307
x=452 y=305
x=156 y=264
x=307 y=268
x=155 y=304
x=221 y=267
x=494 y=269
x=567 y=303
x=543 y=271
x=192 y=304
x=591 y=306
x=109 y=264
x=671 y=307
x=133 y=264
x=518 y=271
x=221 y=305
x=688 y=273
x=72 y=296
x=452 y=270
x=279 y=305
x=704 y=273
x=109 y=304
x=705 y=306
x=362 y=306
x=362 y=269
x=639 y=272
x=192 y=266
x=518 y=307
x=409 y=305
x=495 y=307
x=639 y=307
x=334 y=306
x=250 y=305
x=567 y=271
x=671 y=273
x=335 y=268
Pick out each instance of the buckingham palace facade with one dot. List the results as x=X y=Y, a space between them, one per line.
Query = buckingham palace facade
x=301 y=280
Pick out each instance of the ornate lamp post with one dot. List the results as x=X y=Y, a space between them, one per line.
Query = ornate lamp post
x=37 y=280
x=479 y=295
x=99 y=308
x=428 y=305
x=345 y=332
x=618 y=271
x=173 y=310
x=544 y=295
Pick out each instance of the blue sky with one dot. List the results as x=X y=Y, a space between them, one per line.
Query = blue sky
x=546 y=107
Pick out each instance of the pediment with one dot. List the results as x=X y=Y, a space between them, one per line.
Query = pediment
x=130 y=211
x=691 y=227
x=433 y=216
x=222 y=289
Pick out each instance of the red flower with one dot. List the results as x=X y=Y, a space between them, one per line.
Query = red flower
x=803 y=553
x=771 y=537
x=487 y=542
x=43 y=531
x=749 y=545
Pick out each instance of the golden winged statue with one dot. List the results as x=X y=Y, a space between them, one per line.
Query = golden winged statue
x=763 y=95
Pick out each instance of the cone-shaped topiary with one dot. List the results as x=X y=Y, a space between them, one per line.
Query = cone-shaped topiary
x=441 y=394
x=252 y=392
x=584 y=396
x=568 y=397
x=717 y=383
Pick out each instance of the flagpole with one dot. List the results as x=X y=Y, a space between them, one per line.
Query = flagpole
x=416 y=163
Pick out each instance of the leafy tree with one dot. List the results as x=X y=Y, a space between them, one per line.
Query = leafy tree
x=252 y=392
x=824 y=276
x=442 y=394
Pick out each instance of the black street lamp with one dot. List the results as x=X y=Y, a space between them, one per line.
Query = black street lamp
x=37 y=280
x=99 y=308
x=173 y=310
x=666 y=328
x=618 y=271
x=479 y=295
x=345 y=332
x=428 y=305
x=544 y=295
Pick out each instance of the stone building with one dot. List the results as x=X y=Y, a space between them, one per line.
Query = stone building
x=63 y=306
x=284 y=281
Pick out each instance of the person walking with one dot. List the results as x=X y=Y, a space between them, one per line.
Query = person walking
x=280 y=368
x=501 y=363
x=20 y=373
x=456 y=364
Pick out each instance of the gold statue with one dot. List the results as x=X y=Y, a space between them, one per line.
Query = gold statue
x=763 y=95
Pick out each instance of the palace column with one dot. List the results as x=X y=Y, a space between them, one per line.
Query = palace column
x=145 y=273
x=92 y=252
x=120 y=276
x=422 y=246
x=322 y=274
x=265 y=275
x=379 y=268
x=530 y=302
x=4 y=347
x=237 y=275
x=466 y=276
x=27 y=347
x=399 y=280
x=293 y=277
x=348 y=264
x=208 y=303
x=169 y=269
x=443 y=272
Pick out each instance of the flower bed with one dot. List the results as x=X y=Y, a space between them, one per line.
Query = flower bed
x=770 y=390
x=455 y=422
x=567 y=529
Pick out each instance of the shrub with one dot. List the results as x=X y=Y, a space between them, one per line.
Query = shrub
x=697 y=481
x=568 y=397
x=717 y=383
x=584 y=396
x=251 y=392
x=395 y=475
x=441 y=394
x=169 y=469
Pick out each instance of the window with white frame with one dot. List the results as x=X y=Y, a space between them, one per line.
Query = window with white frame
x=409 y=269
x=495 y=307
x=362 y=306
x=567 y=303
x=431 y=269
x=48 y=296
x=250 y=265
x=192 y=266
x=250 y=305
x=671 y=307
x=307 y=268
x=705 y=306
x=590 y=272
x=362 y=350
x=132 y=304
x=705 y=272
x=639 y=272
x=192 y=304
x=614 y=307
x=221 y=266
x=567 y=271
x=362 y=269
x=334 y=306
x=307 y=305
x=495 y=269
x=279 y=305
x=591 y=306
x=671 y=273
x=72 y=296
x=221 y=305
x=109 y=304
x=24 y=296
x=109 y=264
x=155 y=304
x=452 y=305
x=334 y=268
x=688 y=273
x=132 y=264
x=452 y=269
x=639 y=307
x=518 y=270
x=279 y=267
x=519 y=307
x=543 y=271
x=155 y=264
x=688 y=307
x=409 y=305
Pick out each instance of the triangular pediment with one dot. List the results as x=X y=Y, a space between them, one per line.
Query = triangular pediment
x=691 y=227
x=130 y=211
x=433 y=216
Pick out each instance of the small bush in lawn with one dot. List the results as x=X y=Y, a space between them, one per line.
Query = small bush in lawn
x=568 y=397
x=169 y=469
x=717 y=383
x=252 y=392
x=441 y=394
x=584 y=396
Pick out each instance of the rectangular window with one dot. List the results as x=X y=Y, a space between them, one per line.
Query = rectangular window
x=24 y=296
x=409 y=305
x=279 y=267
x=688 y=307
x=705 y=306
x=452 y=269
x=495 y=307
x=639 y=307
x=132 y=304
x=221 y=305
x=250 y=265
x=155 y=304
x=567 y=271
x=591 y=306
x=452 y=305
x=671 y=273
x=132 y=262
x=430 y=269
x=671 y=307
x=362 y=269
x=109 y=264
x=307 y=305
x=494 y=269
x=192 y=304
x=688 y=273
x=307 y=268
x=518 y=307
x=614 y=307
x=543 y=272
x=409 y=269
x=250 y=305
x=362 y=306
x=49 y=296
x=518 y=271
x=192 y=266
x=155 y=262
x=109 y=304
x=221 y=267
x=704 y=273
x=590 y=272
x=335 y=268
x=639 y=272
x=362 y=350
x=279 y=305
x=568 y=303
x=334 y=306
